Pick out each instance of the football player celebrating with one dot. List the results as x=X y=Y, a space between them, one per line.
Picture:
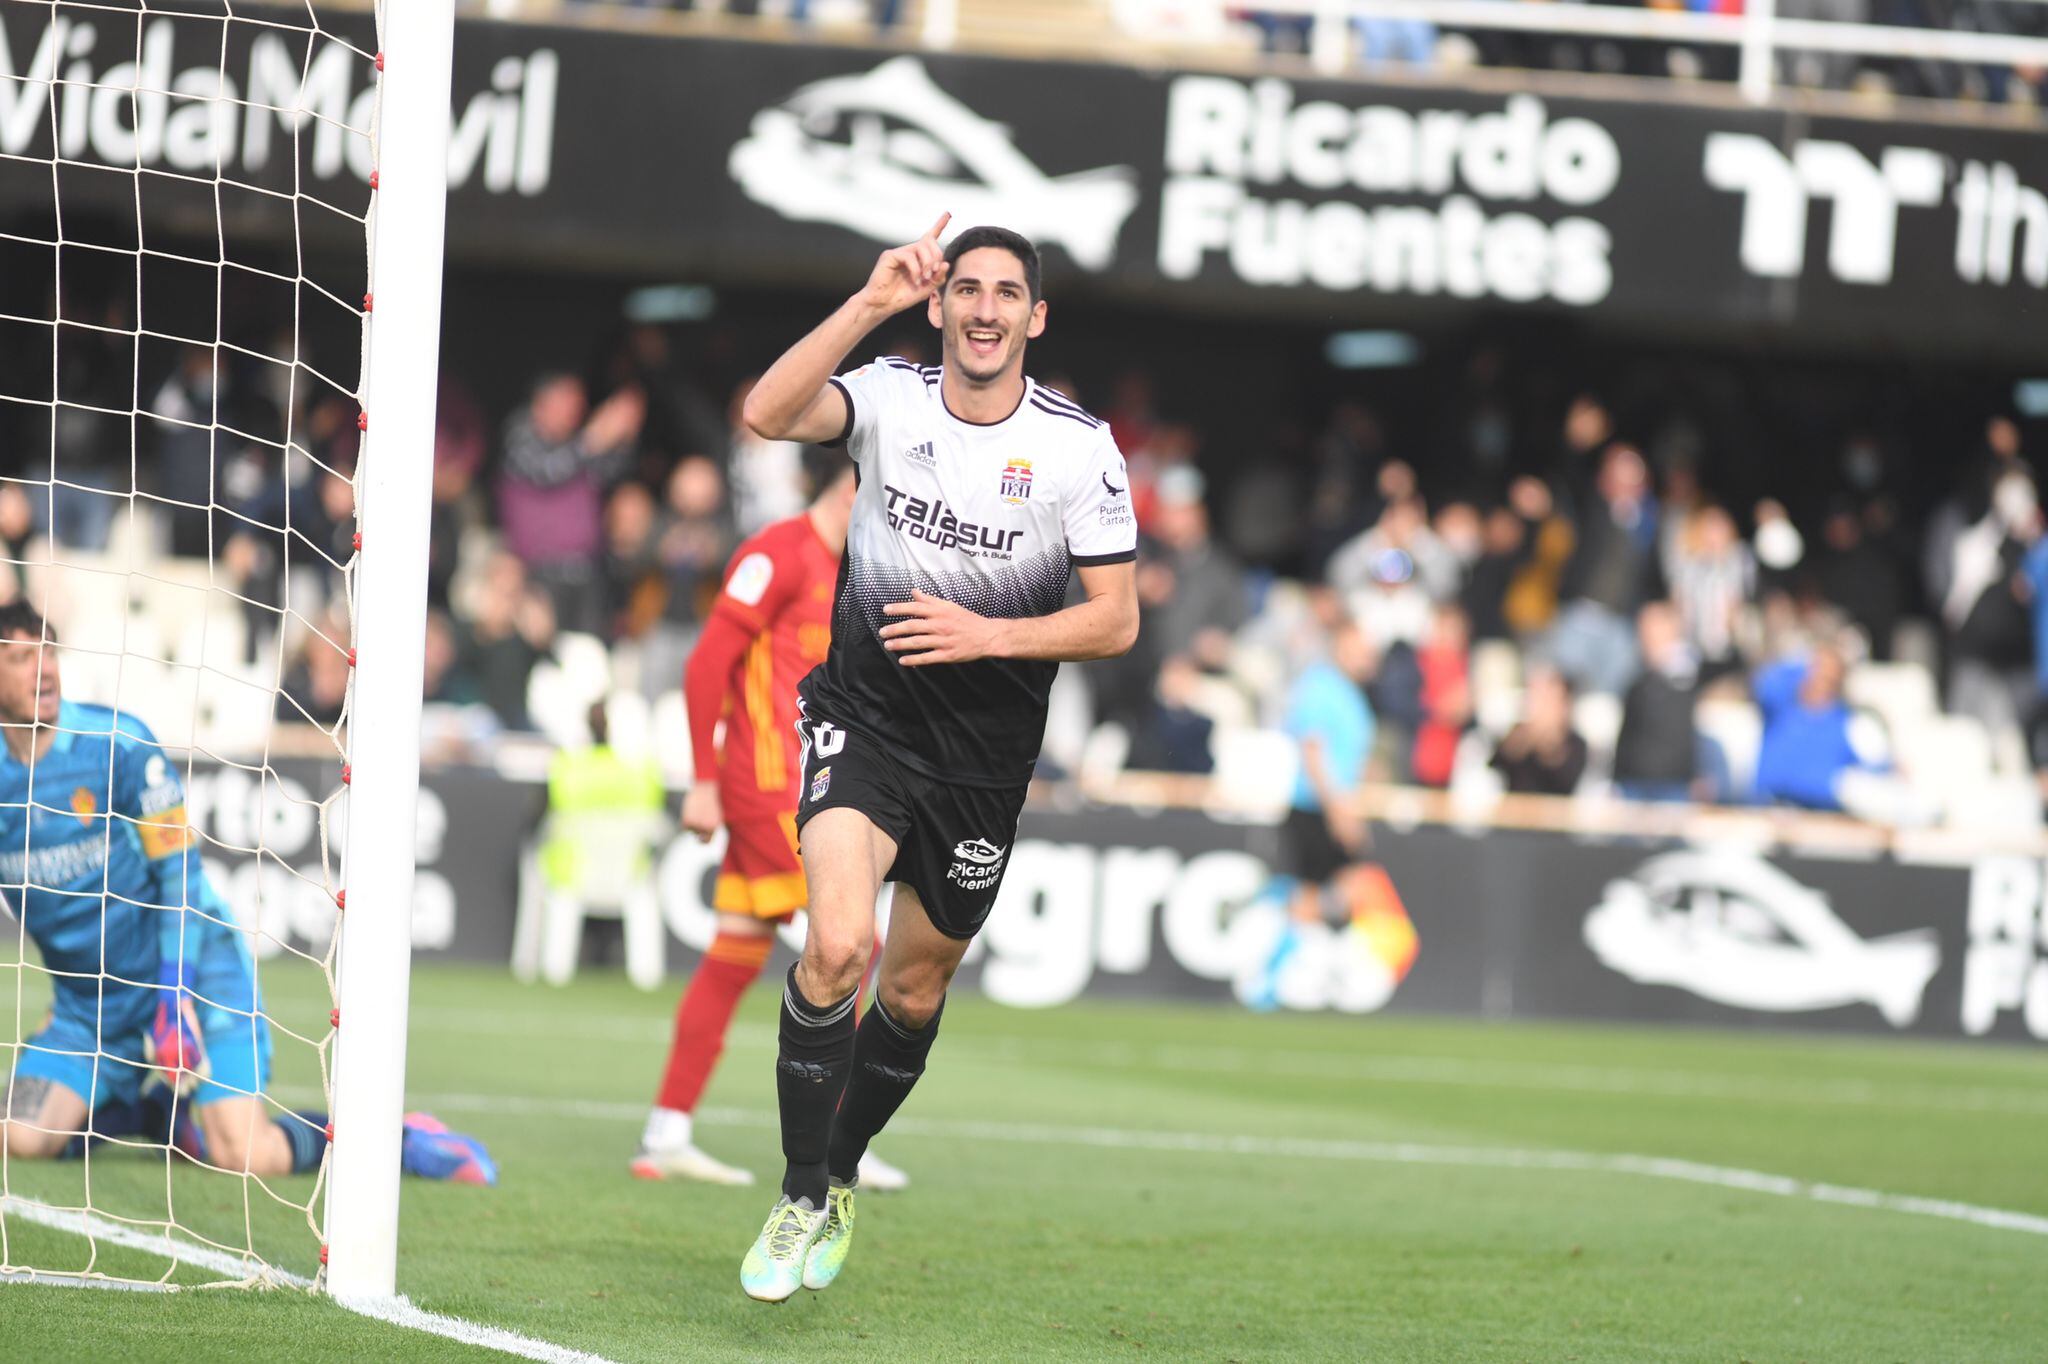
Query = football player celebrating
x=769 y=626
x=981 y=493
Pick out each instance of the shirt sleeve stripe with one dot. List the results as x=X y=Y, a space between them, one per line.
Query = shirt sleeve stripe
x=846 y=434
x=1049 y=410
x=1097 y=560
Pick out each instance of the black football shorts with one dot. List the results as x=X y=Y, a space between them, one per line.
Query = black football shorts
x=953 y=842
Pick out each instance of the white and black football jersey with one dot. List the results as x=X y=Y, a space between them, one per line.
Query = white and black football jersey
x=993 y=516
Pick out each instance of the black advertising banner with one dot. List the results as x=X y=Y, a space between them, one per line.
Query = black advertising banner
x=468 y=830
x=1116 y=903
x=729 y=161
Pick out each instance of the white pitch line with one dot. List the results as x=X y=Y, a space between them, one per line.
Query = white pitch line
x=396 y=1311
x=1305 y=1148
x=399 y=1311
x=1451 y=1072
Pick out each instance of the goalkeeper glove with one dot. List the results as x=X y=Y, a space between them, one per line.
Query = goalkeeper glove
x=173 y=1046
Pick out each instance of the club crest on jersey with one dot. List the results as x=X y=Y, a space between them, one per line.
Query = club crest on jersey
x=977 y=865
x=1016 y=481
x=821 y=782
x=84 y=805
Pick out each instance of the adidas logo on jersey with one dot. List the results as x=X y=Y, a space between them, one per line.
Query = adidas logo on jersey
x=935 y=523
x=921 y=454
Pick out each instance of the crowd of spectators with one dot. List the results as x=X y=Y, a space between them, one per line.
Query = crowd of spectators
x=1551 y=616
x=1569 y=630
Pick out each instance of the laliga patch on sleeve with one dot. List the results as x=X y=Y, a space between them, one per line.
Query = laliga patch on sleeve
x=750 y=579
x=164 y=833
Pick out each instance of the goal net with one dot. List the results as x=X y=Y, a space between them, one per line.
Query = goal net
x=188 y=208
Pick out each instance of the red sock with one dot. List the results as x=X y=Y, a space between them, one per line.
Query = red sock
x=729 y=967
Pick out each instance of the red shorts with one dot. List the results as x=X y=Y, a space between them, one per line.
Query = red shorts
x=761 y=874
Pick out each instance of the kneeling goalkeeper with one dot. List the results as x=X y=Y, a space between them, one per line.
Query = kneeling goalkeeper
x=155 y=990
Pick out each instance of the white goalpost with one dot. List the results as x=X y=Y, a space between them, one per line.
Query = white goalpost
x=394 y=490
x=221 y=234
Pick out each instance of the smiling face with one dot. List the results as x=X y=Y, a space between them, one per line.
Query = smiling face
x=985 y=314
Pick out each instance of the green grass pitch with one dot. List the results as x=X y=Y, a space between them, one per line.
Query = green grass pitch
x=1113 y=1181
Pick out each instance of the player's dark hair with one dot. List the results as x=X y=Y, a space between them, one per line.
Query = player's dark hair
x=1003 y=239
x=19 y=618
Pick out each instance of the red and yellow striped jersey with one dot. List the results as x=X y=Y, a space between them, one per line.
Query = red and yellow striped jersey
x=774 y=613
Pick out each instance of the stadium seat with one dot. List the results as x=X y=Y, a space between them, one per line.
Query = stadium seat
x=628 y=723
x=1475 y=787
x=1902 y=694
x=1738 y=727
x=1947 y=758
x=1255 y=771
x=1597 y=718
x=610 y=879
x=1103 y=758
x=586 y=664
x=231 y=709
x=556 y=706
x=1496 y=685
x=1070 y=712
x=670 y=723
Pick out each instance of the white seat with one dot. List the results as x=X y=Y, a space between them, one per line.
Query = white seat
x=629 y=727
x=1738 y=727
x=586 y=663
x=671 y=726
x=556 y=706
x=1255 y=770
x=1902 y=694
x=614 y=879
x=1597 y=718
x=1496 y=685
x=1104 y=755
x=1947 y=758
x=233 y=709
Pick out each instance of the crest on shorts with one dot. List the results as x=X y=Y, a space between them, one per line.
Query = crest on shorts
x=821 y=782
x=1016 y=481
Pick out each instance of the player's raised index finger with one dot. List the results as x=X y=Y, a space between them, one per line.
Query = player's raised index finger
x=939 y=226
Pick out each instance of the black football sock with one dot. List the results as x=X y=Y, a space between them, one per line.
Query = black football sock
x=811 y=1065
x=887 y=1059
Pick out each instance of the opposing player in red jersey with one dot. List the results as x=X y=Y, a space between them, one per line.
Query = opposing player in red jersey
x=771 y=624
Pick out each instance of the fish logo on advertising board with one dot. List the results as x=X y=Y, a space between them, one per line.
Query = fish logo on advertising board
x=1731 y=928
x=879 y=153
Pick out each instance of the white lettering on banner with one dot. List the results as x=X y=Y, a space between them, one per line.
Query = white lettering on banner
x=1999 y=218
x=1069 y=910
x=1224 y=138
x=2006 y=967
x=2001 y=224
x=125 y=114
x=1038 y=934
x=1776 y=189
x=281 y=895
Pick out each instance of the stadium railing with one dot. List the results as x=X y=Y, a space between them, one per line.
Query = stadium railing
x=1759 y=36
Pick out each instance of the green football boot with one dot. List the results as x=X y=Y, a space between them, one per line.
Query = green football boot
x=827 y=1255
x=774 y=1267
